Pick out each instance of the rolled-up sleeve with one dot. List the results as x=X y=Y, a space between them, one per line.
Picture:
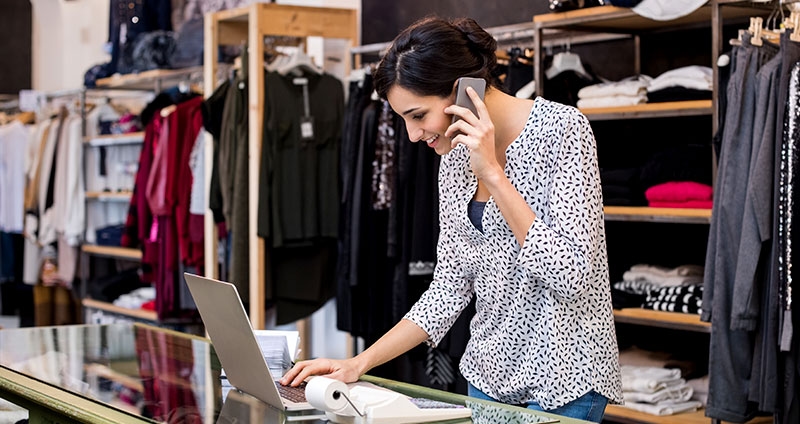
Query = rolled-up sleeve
x=557 y=249
x=449 y=293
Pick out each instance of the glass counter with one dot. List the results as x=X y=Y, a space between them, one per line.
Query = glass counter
x=134 y=373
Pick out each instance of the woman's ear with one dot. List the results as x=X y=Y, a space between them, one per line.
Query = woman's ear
x=453 y=93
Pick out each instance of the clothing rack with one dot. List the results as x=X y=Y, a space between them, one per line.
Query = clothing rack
x=504 y=35
x=250 y=25
x=9 y=104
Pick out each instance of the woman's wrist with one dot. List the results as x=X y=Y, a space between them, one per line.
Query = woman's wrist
x=494 y=178
x=361 y=364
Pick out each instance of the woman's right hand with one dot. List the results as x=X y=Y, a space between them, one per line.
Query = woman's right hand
x=345 y=370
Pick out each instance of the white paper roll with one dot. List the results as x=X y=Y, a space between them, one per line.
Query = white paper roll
x=327 y=394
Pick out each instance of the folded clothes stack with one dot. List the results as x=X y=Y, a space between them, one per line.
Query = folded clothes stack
x=681 y=84
x=680 y=194
x=678 y=289
x=628 y=92
x=656 y=391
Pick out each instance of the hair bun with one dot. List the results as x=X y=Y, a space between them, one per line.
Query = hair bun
x=481 y=41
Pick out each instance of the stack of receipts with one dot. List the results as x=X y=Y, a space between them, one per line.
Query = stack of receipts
x=280 y=348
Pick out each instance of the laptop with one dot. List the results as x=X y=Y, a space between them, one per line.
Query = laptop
x=235 y=342
x=246 y=368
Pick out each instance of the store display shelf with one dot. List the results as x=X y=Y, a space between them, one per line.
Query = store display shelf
x=108 y=196
x=112 y=252
x=620 y=414
x=141 y=314
x=651 y=110
x=646 y=214
x=148 y=79
x=622 y=19
x=115 y=139
x=672 y=320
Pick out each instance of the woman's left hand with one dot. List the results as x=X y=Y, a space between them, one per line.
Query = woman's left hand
x=477 y=134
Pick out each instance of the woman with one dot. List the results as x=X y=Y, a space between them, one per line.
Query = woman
x=521 y=229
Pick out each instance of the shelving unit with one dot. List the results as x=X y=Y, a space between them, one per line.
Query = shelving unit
x=620 y=414
x=250 y=25
x=623 y=20
x=149 y=81
x=673 y=320
x=647 y=214
x=115 y=139
x=154 y=79
x=651 y=110
x=108 y=196
x=112 y=252
x=619 y=20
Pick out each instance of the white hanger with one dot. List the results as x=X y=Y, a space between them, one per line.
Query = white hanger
x=566 y=61
x=299 y=61
x=526 y=91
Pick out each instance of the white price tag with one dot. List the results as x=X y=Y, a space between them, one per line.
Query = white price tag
x=307 y=128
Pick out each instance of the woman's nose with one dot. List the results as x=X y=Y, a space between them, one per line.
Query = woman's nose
x=415 y=134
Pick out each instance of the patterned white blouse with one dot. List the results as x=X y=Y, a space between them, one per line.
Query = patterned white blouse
x=544 y=327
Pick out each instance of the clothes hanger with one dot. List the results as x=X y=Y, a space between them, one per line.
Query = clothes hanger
x=794 y=23
x=299 y=62
x=26 y=117
x=566 y=61
x=776 y=24
x=526 y=91
x=756 y=29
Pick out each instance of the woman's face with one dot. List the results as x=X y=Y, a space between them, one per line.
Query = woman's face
x=424 y=116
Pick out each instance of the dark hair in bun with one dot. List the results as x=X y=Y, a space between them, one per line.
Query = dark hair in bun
x=427 y=57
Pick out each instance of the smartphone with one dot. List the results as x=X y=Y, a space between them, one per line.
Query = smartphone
x=462 y=98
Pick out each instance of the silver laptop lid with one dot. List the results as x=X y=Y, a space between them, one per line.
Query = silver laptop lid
x=233 y=339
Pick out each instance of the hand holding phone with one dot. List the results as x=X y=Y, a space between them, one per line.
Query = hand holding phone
x=478 y=137
x=462 y=98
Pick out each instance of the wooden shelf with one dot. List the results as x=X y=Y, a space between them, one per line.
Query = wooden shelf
x=646 y=214
x=112 y=252
x=620 y=414
x=141 y=314
x=152 y=80
x=116 y=139
x=108 y=196
x=651 y=110
x=672 y=320
x=624 y=20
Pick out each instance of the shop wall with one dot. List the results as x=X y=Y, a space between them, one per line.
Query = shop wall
x=15 y=43
x=661 y=51
x=382 y=20
x=68 y=38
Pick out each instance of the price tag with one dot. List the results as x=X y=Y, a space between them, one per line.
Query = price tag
x=307 y=128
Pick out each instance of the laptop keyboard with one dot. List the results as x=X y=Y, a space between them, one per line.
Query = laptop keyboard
x=294 y=394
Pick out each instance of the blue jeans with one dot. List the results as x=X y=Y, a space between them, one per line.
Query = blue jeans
x=589 y=407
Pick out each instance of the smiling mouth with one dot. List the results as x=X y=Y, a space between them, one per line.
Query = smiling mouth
x=432 y=140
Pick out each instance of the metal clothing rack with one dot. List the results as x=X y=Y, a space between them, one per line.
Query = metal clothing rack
x=504 y=35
